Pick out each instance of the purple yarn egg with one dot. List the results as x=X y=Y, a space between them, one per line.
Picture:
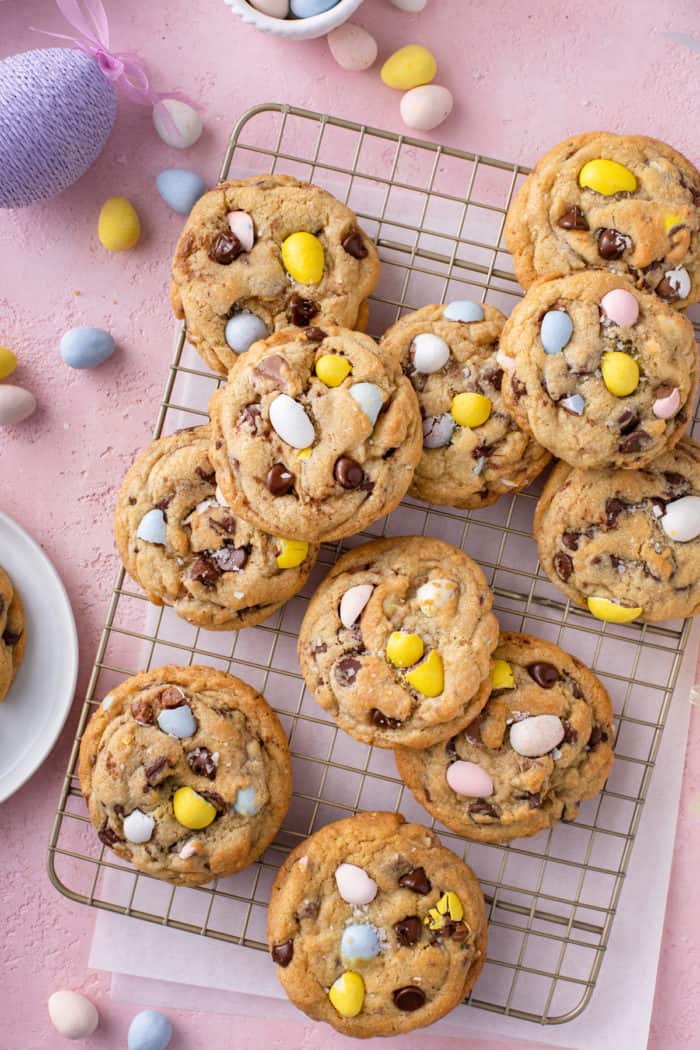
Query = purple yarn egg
x=56 y=112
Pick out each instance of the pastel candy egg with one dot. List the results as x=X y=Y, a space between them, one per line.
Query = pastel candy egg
x=85 y=347
x=246 y=804
x=450 y=904
x=118 y=226
x=468 y=778
x=353 y=602
x=244 y=329
x=332 y=369
x=180 y=188
x=470 y=409
x=681 y=520
x=428 y=678
x=463 y=310
x=359 y=941
x=191 y=810
x=354 y=884
x=678 y=282
x=403 y=649
x=502 y=675
x=536 y=736
x=241 y=226
x=369 y=398
x=424 y=108
x=352 y=47
x=302 y=255
x=620 y=307
x=273 y=8
x=347 y=994
x=411 y=7
x=604 y=609
x=178 y=124
x=574 y=404
x=620 y=373
x=178 y=722
x=435 y=594
x=667 y=406
x=138 y=826
x=409 y=67
x=152 y=527
x=429 y=353
x=607 y=177
x=438 y=430
x=506 y=362
x=556 y=330
x=291 y=422
x=16 y=404
x=72 y=1015
x=149 y=1030
x=8 y=362
x=291 y=552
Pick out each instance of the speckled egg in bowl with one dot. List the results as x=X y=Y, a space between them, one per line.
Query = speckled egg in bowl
x=295 y=28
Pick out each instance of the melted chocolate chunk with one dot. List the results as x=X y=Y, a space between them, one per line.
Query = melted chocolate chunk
x=226 y=525
x=573 y=219
x=355 y=246
x=544 y=674
x=676 y=481
x=481 y=808
x=300 y=311
x=473 y=730
x=635 y=441
x=230 y=559
x=611 y=244
x=519 y=388
x=346 y=670
x=279 y=480
x=382 y=721
x=416 y=880
x=204 y=571
x=570 y=540
x=172 y=697
x=563 y=565
x=409 y=998
x=11 y=638
x=249 y=419
x=308 y=909
x=216 y=800
x=597 y=736
x=494 y=376
x=613 y=509
x=201 y=762
x=142 y=711
x=533 y=799
x=315 y=335
x=666 y=291
x=206 y=475
x=282 y=954
x=348 y=473
x=628 y=420
x=153 y=771
x=106 y=835
x=408 y=931
x=570 y=733
x=225 y=249
x=456 y=931
x=451 y=748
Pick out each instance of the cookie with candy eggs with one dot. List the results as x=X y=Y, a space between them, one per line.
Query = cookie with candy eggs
x=12 y=633
x=181 y=543
x=396 y=642
x=186 y=773
x=473 y=450
x=259 y=254
x=623 y=203
x=315 y=435
x=625 y=543
x=376 y=928
x=542 y=744
x=602 y=374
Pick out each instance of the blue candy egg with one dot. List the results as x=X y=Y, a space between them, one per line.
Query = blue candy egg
x=243 y=329
x=359 y=941
x=86 y=347
x=149 y=1030
x=463 y=310
x=152 y=527
x=180 y=188
x=308 y=8
x=246 y=804
x=574 y=404
x=555 y=331
x=178 y=722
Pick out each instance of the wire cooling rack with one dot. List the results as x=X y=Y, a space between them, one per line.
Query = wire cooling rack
x=437 y=216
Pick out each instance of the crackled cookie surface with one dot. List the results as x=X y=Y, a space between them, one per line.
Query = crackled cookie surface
x=315 y=435
x=542 y=744
x=262 y=253
x=626 y=544
x=603 y=375
x=186 y=773
x=473 y=450
x=12 y=633
x=396 y=643
x=624 y=203
x=375 y=927
x=182 y=544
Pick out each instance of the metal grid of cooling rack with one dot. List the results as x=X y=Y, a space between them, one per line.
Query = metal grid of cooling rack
x=437 y=216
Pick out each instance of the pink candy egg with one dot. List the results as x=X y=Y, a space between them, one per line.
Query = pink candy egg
x=666 y=407
x=505 y=361
x=467 y=778
x=352 y=47
x=353 y=602
x=354 y=884
x=620 y=307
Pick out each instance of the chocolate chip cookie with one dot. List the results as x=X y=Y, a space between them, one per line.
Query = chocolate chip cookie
x=375 y=927
x=603 y=375
x=473 y=450
x=181 y=543
x=542 y=744
x=262 y=253
x=624 y=203
x=12 y=633
x=625 y=543
x=186 y=773
x=315 y=435
x=396 y=643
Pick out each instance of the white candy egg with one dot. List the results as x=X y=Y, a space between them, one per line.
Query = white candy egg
x=537 y=735
x=291 y=422
x=437 y=430
x=72 y=1015
x=16 y=404
x=352 y=47
x=184 y=126
x=411 y=7
x=424 y=108
x=138 y=826
x=353 y=602
x=354 y=884
x=435 y=594
x=243 y=329
x=429 y=353
x=369 y=398
x=681 y=520
x=273 y=8
x=152 y=527
x=178 y=722
x=241 y=226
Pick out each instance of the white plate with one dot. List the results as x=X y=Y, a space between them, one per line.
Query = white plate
x=37 y=705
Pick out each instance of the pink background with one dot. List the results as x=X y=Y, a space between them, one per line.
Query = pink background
x=524 y=76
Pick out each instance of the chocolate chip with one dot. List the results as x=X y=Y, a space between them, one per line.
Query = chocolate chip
x=543 y=673
x=315 y=335
x=628 y=420
x=106 y=835
x=597 y=736
x=110 y=764
x=518 y=388
x=563 y=565
x=451 y=748
x=171 y=697
x=570 y=540
x=272 y=367
x=225 y=525
x=409 y=998
x=573 y=219
x=206 y=475
x=230 y=559
x=163 y=505
x=574 y=687
x=408 y=931
x=308 y=909
x=249 y=419
x=153 y=770
x=201 y=762
x=416 y=880
x=481 y=808
x=11 y=638
x=132 y=503
x=613 y=509
x=346 y=670
x=534 y=799
x=635 y=441
x=279 y=480
x=216 y=800
x=383 y=721
x=473 y=730
x=225 y=249
x=142 y=711
x=611 y=244
x=666 y=291
x=676 y=481
x=456 y=931
x=494 y=376
x=282 y=954
x=348 y=473
x=204 y=571
x=570 y=733
x=300 y=311
x=355 y=246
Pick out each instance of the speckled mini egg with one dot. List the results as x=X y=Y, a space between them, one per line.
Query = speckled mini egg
x=424 y=108
x=180 y=188
x=72 y=1015
x=16 y=404
x=85 y=347
x=149 y=1030
x=178 y=124
x=352 y=47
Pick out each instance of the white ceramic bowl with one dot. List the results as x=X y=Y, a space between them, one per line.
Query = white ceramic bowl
x=296 y=28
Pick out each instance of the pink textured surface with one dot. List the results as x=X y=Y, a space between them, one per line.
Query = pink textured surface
x=524 y=76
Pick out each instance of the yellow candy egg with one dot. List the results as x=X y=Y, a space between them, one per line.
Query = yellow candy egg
x=303 y=453
x=428 y=678
x=450 y=904
x=302 y=255
x=403 y=649
x=347 y=994
x=502 y=675
x=470 y=410
x=607 y=177
x=291 y=552
x=8 y=362
x=620 y=373
x=672 y=220
x=118 y=227
x=332 y=369
x=409 y=67
x=604 y=609
x=191 y=810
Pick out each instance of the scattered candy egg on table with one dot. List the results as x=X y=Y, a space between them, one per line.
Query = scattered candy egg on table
x=354 y=884
x=180 y=188
x=463 y=310
x=409 y=67
x=178 y=722
x=667 y=405
x=332 y=369
x=291 y=553
x=681 y=519
x=607 y=177
x=152 y=527
x=573 y=404
x=359 y=941
x=435 y=594
x=273 y=8
x=178 y=124
x=302 y=255
x=429 y=353
x=246 y=804
x=244 y=329
x=85 y=347
x=309 y=8
x=438 y=430
x=149 y=1030
x=468 y=778
x=411 y=7
x=290 y=422
x=620 y=373
x=118 y=227
x=8 y=362
x=138 y=826
x=470 y=409
x=369 y=398
x=620 y=307
x=16 y=404
x=404 y=649
x=347 y=994
x=536 y=736
x=424 y=108
x=192 y=810
x=556 y=330
x=72 y=1014
x=612 y=612
x=353 y=602
x=502 y=675
x=241 y=226
x=352 y=47
x=428 y=678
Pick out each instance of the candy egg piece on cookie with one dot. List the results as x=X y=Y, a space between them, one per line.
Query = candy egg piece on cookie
x=463 y=310
x=244 y=329
x=291 y=552
x=429 y=353
x=470 y=409
x=347 y=994
x=620 y=373
x=369 y=397
x=681 y=519
x=359 y=941
x=607 y=177
x=666 y=406
x=241 y=226
x=434 y=595
x=556 y=330
x=469 y=778
x=72 y=1014
x=138 y=826
x=354 y=884
x=536 y=736
x=178 y=722
x=152 y=527
x=428 y=677
x=353 y=602
x=332 y=369
x=604 y=609
x=404 y=649
x=290 y=422
x=620 y=307
x=502 y=675
x=191 y=810
x=302 y=255
x=438 y=430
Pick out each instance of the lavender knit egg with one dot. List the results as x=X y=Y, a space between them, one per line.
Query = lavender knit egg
x=56 y=112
